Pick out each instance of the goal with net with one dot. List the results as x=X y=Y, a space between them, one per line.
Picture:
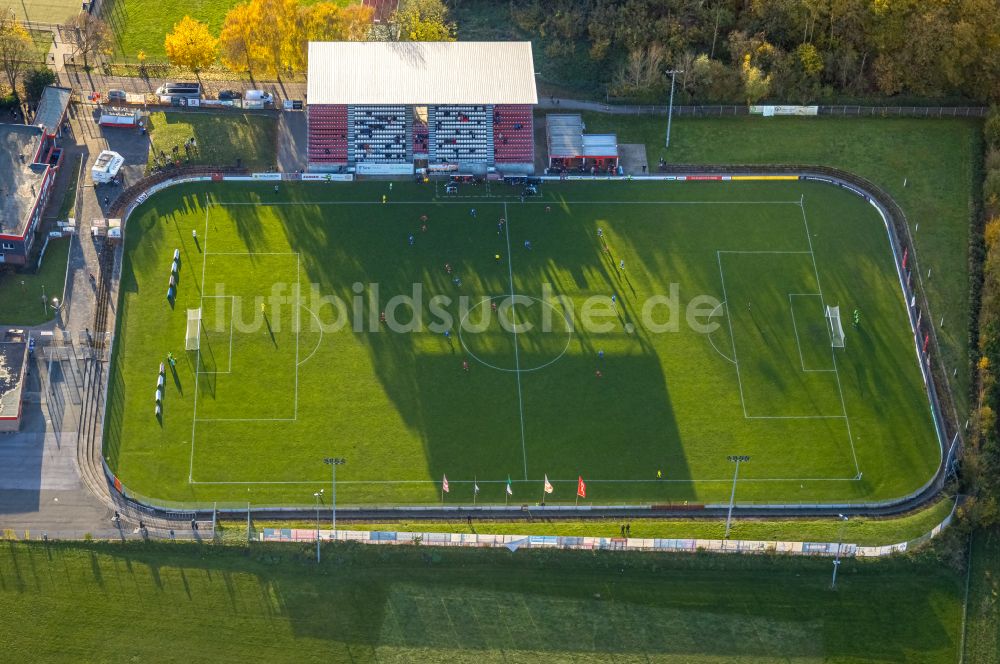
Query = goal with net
x=836 y=329
x=193 y=339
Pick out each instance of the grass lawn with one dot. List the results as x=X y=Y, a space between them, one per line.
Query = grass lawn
x=222 y=138
x=682 y=384
x=42 y=41
x=21 y=292
x=44 y=11
x=169 y=603
x=936 y=157
x=859 y=530
x=68 y=205
x=982 y=632
x=135 y=28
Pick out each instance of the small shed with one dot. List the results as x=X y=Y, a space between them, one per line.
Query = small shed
x=570 y=148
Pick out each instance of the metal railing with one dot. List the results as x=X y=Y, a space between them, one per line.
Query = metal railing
x=733 y=110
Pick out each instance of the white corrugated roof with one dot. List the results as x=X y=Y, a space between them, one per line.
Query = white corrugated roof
x=421 y=73
x=564 y=132
x=600 y=145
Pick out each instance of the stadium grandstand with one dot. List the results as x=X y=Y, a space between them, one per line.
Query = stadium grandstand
x=395 y=108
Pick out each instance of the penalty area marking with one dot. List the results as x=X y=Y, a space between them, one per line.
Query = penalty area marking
x=709 y=335
x=319 y=326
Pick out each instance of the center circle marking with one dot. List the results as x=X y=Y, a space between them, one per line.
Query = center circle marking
x=561 y=314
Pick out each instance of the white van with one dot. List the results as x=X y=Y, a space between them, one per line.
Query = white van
x=258 y=95
x=107 y=166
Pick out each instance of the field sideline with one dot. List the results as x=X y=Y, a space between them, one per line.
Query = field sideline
x=615 y=405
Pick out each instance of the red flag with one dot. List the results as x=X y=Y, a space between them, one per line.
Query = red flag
x=444 y=483
x=581 y=488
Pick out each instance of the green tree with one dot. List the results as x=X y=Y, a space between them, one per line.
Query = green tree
x=423 y=20
x=756 y=84
x=991 y=130
x=35 y=81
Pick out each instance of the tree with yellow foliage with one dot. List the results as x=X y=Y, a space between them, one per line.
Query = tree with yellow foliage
x=15 y=44
x=328 y=21
x=263 y=36
x=237 y=40
x=191 y=45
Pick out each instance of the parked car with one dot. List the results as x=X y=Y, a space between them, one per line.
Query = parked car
x=116 y=96
x=229 y=95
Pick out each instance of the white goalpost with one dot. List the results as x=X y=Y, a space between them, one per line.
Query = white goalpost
x=833 y=324
x=193 y=337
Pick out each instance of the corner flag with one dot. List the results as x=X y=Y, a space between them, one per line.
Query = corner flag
x=444 y=483
x=510 y=491
x=581 y=487
x=548 y=487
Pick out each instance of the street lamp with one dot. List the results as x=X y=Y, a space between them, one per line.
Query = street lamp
x=56 y=307
x=840 y=540
x=317 y=496
x=670 y=109
x=333 y=462
x=737 y=459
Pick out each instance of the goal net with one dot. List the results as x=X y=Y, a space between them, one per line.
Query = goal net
x=836 y=329
x=193 y=337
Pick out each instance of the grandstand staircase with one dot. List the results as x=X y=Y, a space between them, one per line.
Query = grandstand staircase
x=409 y=134
x=351 y=134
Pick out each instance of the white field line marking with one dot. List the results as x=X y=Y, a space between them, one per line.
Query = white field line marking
x=246 y=419
x=764 y=252
x=232 y=308
x=517 y=356
x=712 y=341
x=727 y=480
x=795 y=327
x=465 y=202
x=197 y=361
x=840 y=389
x=796 y=417
x=295 y=408
x=319 y=326
x=298 y=328
x=732 y=335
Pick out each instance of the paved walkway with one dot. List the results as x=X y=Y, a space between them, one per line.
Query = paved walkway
x=292 y=141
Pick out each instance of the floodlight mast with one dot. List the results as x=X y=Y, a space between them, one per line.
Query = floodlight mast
x=333 y=462
x=737 y=459
x=670 y=107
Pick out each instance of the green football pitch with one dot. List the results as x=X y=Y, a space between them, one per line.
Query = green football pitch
x=716 y=344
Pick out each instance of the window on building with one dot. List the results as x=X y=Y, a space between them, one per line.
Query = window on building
x=7 y=246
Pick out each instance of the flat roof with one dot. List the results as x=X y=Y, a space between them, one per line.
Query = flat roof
x=416 y=73
x=52 y=107
x=20 y=180
x=564 y=135
x=12 y=358
x=600 y=145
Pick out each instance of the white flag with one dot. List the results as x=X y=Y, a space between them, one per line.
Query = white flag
x=548 y=487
